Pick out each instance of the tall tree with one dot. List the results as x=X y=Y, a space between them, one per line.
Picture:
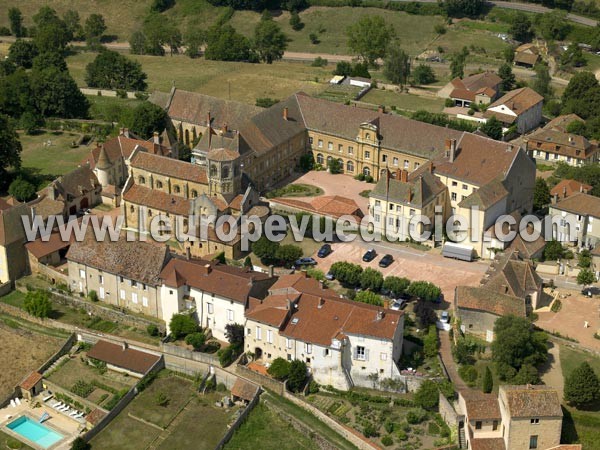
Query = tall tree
x=573 y=56
x=55 y=93
x=94 y=29
x=52 y=34
x=508 y=77
x=423 y=74
x=582 y=386
x=553 y=25
x=520 y=28
x=15 y=18
x=542 y=81
x=269 y=41
x=10 y=149
x=585 y=277
x=582 y=95
x=541 y=194
x=38 y=304
x=15 y=93
x=458 y=62
x=73 y=23
x=488 y=381
x=146 y=118
x=461 y=8
x=137 y=43
x=111 y=70
x=397 y=65
x=223 y=43
x=22 y=52
x=369 y=38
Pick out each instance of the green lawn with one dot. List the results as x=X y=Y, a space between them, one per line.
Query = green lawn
x=296 y=190
x=571 y=359
x=177 y=390
x=125 y=433
x=408 y=102
x=260 y=427
x=9 y=442
x=110 y=109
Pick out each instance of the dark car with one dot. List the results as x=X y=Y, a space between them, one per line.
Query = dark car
x=324 y=251
x=386 y=261
x=305 y=262
x=370 y=255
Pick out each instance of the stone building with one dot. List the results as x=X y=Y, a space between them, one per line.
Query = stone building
x=581 y=211
x=520 y=107
x=13 y=258
x=480 y=88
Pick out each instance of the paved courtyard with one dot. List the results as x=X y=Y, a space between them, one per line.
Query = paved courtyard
x=410 y=263
x=569 y=321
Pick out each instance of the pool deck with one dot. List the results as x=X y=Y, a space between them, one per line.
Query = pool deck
x=60 y=423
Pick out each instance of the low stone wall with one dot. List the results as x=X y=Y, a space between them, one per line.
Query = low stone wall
x=182 y=352
x=104 y=92
x=61 y=390
x=5 y=288
x=239 y=421
x=62 y=351
x=51 y=274
x=19 y=313
x=450 y=416
x=351 y=435
x=267 y=382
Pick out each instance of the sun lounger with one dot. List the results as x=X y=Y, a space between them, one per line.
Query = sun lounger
x=57 y=405
x=17 y=401
x=48 y=397
x=12 y=403
x=64 y=408
x=73 y=413
x=79 y=416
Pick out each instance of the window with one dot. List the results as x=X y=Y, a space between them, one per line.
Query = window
x=100 y=279
x=177 y=189
x=384 y=158
x=330 y=146
x=454 y=183
x=454 y=196
x=134 y=283
x=194 y=193
x=320 y=144
x=230 y=315
x=319 y=158
x=377 y=218
x=535 y=421
x=406 y=163
x=209 y=307
x=367 y=154
x=340 y=148
x=350 y=150
x=395 y=161
x=478 y=425
x=134 y=298
x=325 y=352
x=533 y=441
x=141 y=180
x=350 y=166
x=159 y=185
x=465 y=187
x=258 y=334
x=360 y=353
x=269 y=336
x=249 y=332
x=310 y=140
x=494 y=425
x=81 y=273
x=288 y=343
x=367 y=171
x=122 y=294
x=308 y=348
x=383 y=356
x=417 y=165
x=145 y=301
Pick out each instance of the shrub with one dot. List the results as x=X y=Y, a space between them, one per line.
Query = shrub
x=196 y=340
x=78 y=444
x=488 y=381
x=401 y=435
x=416 y=415
x=93 y=296
x=427 y=396
x=439 y=29
x=297 y=377
x=468 y=374
x=314 y=39
x=161 y=399
x=582 y=386
x=389 y=426
x=369 y=430
x=319 y=62
x=556 y=306
x=387 y=441
x=279 y=369
x=181 y=325
x=368 y=178
x=37 y=303
x=152 y=330
x=82 y=388
x=221 y=387
x=360 y=177
x=313 y=387
x=226 y=356
x=449 y=103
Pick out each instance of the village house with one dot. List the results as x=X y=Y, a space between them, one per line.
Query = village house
x=480 y=89
x=517 y=418
x=511 y=286
x=566 y=188
x=344 y=343
x=215 y=293
x=521 y=108
x=526 y=55
x=581 y=210
x=122 y=273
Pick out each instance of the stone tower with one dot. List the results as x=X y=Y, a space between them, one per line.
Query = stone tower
x=224 y=173
x=104 y=168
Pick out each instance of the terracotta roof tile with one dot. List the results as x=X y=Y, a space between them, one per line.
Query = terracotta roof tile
x=169 y=167
x=32 y=379
x=95 y=416
x=125 y=358
x=519 y=100
x=487 y=444
x=244 y=389
x=532 y=401
x=39 y=248
x=570 y=187
x=480 y=299
x=158 y=200
x=579 y=203
x=480 y=406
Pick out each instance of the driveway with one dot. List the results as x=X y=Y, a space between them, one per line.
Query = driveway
x=410 y=263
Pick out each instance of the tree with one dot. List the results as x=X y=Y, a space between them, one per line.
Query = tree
x=553 y=25
x=297 y=376
x=431 y=343
x=424 y=290
x=423 y=74
x=265 y=249
x=573 y=56
x=196 y=340
x=181 y=325
x=541 y=194
x=346 y=273
x=458 y=62
x=10 y=148
x=396 y=285
x=461 y=8
x=493 y=128
x=112 y=70
x=396 y=65
x=509 y=54
x=343 y=68
x=193 y=39
x=360 y=70
x=146 y=118
x=295 y=21
x=266 y=102
x=582 y=387
x=369 y=38
x=508 y=77
x=223 y=43
x=585 y=277
x=161 y=5
x=425 y=313
x=371 y=298
x=15 y=18
x=371 y=279
x=55 y=93
x=161 y=399
x=48 y=60
x=234 y=332
x=93 y=29
x=488 y=381
x=541 y=83
x=80 y=444
x=72 y=22
x=515 y=345
x=37 y=303
x=279 y=369
x=427 y=396
x=527 y=374
x=269 y=41
x=52 y=34
x=584 y=259
x=520 y=28
x=334 y=166
x=581 y=95
x=152 y=329
x=21 y=189
x=31 y=121
x=288 y=253
x=22 y=52
x=553 y=250
x=137 y=43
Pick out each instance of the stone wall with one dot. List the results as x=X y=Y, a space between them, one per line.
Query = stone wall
x=182 y=352
x=48 y=272
x=5 y=288
x=450 y=416
x=239 y=421
x=267 y=382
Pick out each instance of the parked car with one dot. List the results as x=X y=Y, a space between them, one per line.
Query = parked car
x=305 y=262
x=329 y=276
x=445 y=317
x=386 y=261
x=370 y=255
x=397 y=305
x=324 y=251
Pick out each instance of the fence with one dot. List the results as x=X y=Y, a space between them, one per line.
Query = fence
x=239 y=421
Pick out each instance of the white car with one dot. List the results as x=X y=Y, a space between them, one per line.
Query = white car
x=397 y=305
x=445 y=318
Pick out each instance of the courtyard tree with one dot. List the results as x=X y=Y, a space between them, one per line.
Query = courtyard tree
x=369 y=38
x=458 y=62
x=22 y=190
x=541 y=83
x=334 y=166
x=586 y=277
x=196 y=340
x=346 y=273
x=15 y=19
x=371 y=279
x=181 y=325
x=508 y=77
x=37 y=303
x=541 y=194
x=279 y=369
x=488 y=381
x=234 y=332
x=396 y=66
x=112 y=70
x=269 y=41
x=582 y=387
x=368 y=297
x=431 y=342
x=424 y=290
x=573 y=57
x=288 y=253
x=80 y=444
x=427 y=396
x=553 y=250
x=265 y=249
x=145 y=119
x=423 y=74
x=396 y=285
x=297 y=377
x=493 y=128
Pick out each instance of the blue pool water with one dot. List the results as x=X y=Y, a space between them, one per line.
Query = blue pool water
x=34 y=432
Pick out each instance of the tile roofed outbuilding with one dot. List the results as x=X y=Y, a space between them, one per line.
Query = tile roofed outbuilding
x=512 y=276
x=77 y=182
x=479 y=299
x=519 y=100
x=32 y=379
x=327 y=205
x=581 y=204
x=124 y=357
x=244 y=389
x=567 y=188
x=11 y=223
x=568 y=144
x=230 y=282
x=488 y=444
x=136 y=260
x=561 y=123
x=40 y=248
x=169 y=167
x=532 y=401
x=418 y=189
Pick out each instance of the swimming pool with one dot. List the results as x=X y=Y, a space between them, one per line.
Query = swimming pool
x=34 y=432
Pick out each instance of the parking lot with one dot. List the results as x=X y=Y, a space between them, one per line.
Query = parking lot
x=410 y=263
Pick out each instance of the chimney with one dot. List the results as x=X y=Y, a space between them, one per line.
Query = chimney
x=555 y=199
x=404 y=176
x=126 y=132
x=188 y=253
x=288 y=304
x=121 y=131
x=208 y=119
x=381 y=109
x=271 y=271
x=410 y=195
x=430 y=167
x=581 y=188
x=380 y=314
x=285 y=113
x=124 y=346
x=388 y=175
x=321 y=303
x=156 y=138
x=447 y=145
x=452 y=153
x=565 y=192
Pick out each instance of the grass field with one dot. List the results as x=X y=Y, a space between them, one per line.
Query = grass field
x=408 y=102
x=125 y=433
x=235 y=80
x=260 y=427
x=110 y=109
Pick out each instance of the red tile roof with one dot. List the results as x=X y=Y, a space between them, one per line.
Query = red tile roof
x=39 y=248
x=169 y=167
x=481 y=406
x=158 y=200
x=32 y=379
x=125 y=358
x=532 y=401
x=244 y=389
x=570 y=187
